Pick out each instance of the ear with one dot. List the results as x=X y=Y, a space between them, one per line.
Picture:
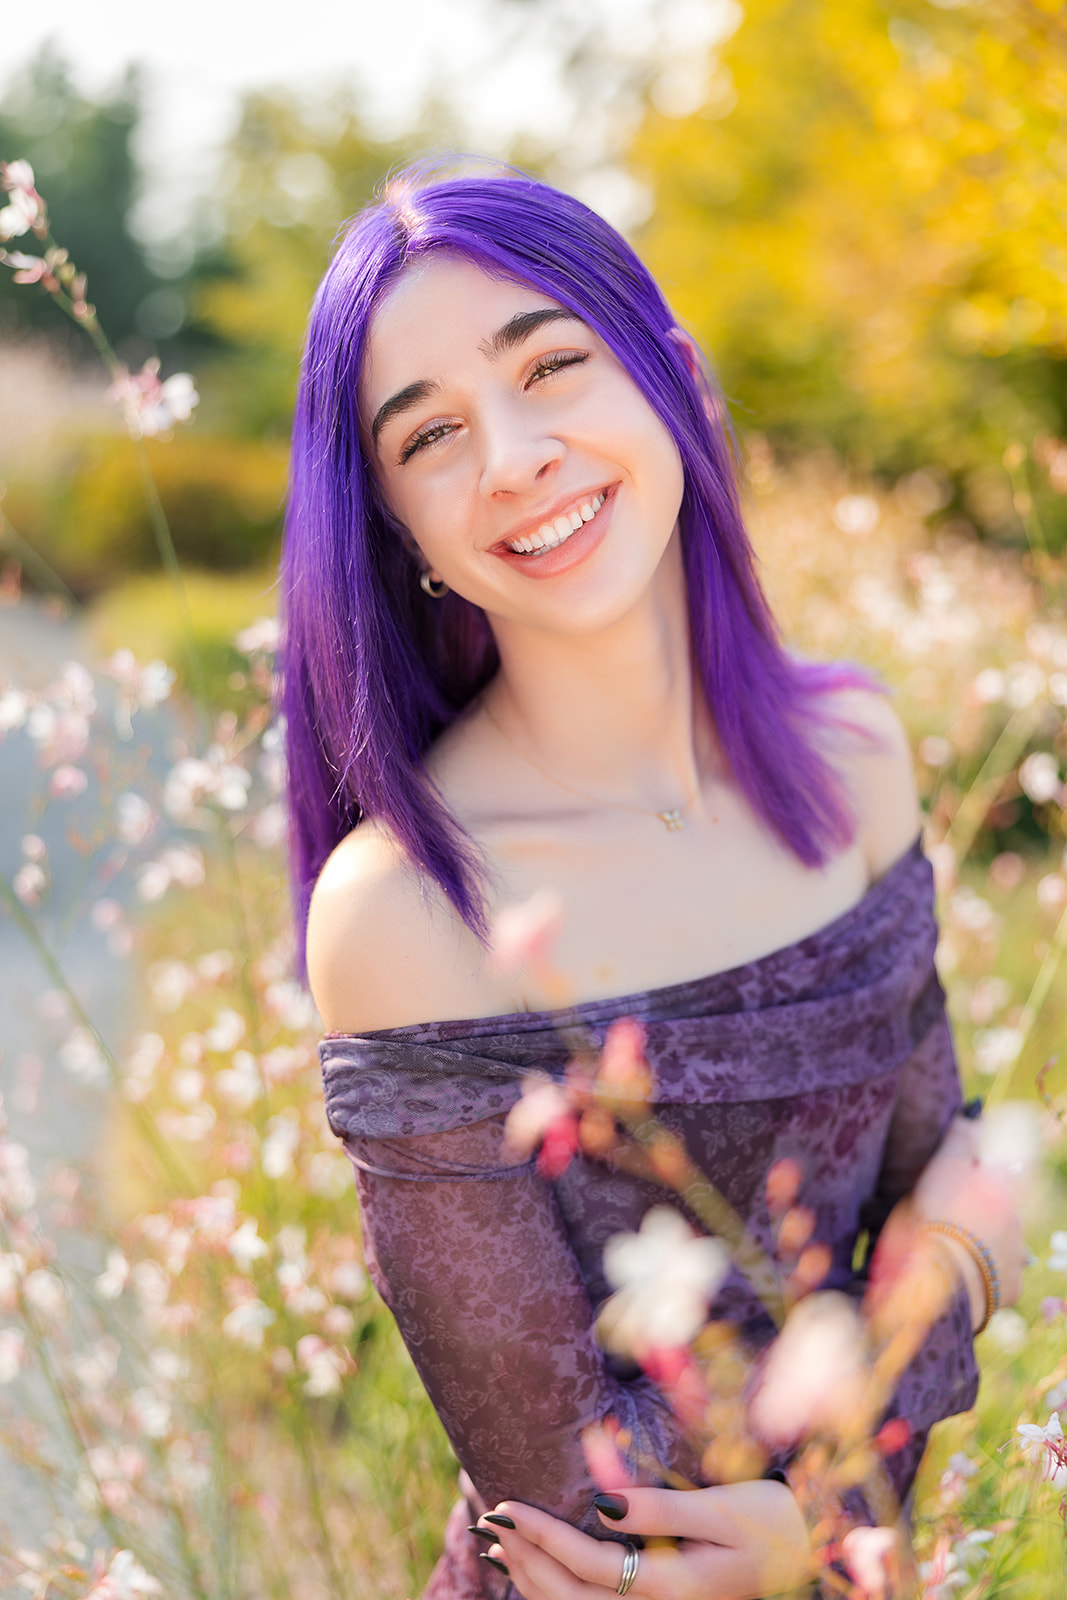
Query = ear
x=691 y=355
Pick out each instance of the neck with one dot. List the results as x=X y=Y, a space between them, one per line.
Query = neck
x=613 y=714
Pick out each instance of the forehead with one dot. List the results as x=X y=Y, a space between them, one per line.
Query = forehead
x=435 y=320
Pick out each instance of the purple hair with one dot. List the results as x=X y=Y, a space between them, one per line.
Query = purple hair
x=373 y=670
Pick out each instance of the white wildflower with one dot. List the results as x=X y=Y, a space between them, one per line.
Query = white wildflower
x=150 y=406
x=111 y=1282
x=1045 y=1447
x=245 y=1245
x=1058 y=1244
x=247 y=1321
x=12 y=1354
x=324 y=1365
x=1039 y=777
x=665 y=1277
x=1007 y=1330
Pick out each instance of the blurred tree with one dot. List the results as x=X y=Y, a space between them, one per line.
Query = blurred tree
x=81 y=152
x=864 y=222
x=291 y=173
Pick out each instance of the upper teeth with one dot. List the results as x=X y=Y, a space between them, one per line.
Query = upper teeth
x=550 y=534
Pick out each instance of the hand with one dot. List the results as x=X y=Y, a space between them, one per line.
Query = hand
x=956 y=1187
x=738 y=1542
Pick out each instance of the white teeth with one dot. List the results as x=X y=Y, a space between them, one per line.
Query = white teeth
x=551 y=534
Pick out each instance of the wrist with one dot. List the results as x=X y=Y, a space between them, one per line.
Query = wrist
x=973 y=1263
x=972 y=1278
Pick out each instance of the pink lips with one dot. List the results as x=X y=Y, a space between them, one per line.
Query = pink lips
x=550 y=563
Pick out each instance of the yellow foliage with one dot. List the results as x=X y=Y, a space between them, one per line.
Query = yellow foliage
x=223 y=499
x=880 y=207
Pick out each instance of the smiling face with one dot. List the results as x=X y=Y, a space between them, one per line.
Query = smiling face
x=509 y=440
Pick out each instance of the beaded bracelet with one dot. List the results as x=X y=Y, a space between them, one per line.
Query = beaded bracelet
x=982 y=1258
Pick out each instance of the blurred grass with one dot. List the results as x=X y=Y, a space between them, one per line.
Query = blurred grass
x=143 y=614
x=929 y=612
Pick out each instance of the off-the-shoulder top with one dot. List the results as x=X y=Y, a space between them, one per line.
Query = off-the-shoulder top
x=834 y=1051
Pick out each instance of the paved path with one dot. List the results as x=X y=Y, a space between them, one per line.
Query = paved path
x=56 y=1116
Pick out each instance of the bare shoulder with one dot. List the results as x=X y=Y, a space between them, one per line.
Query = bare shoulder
x=384 y=947
x=881 y=779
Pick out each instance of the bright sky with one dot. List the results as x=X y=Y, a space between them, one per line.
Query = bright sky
x=201 y=53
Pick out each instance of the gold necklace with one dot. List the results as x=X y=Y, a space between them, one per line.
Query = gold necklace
x=672 y=820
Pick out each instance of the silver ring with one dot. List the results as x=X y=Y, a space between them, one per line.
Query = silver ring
x=630 y=1557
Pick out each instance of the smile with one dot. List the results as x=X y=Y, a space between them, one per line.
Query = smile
x=552 y=534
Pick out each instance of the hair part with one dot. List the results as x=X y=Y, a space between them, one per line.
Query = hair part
x=373 y=671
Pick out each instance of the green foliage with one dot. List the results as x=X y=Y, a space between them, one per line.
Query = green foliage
x=291 y=174
x=81 y=152
x=864 y=223
x=223 y=498
x=143 y=614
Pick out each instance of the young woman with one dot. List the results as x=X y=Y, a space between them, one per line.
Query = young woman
x=526 y=647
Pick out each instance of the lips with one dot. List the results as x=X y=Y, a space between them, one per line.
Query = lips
x=553 y=530
x=529 y=550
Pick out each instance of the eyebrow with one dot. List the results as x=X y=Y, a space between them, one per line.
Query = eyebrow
x=403 y=400
x=513 y=333
x=522 y=325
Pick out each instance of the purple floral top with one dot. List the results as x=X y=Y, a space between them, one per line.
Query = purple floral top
x=834 y=1050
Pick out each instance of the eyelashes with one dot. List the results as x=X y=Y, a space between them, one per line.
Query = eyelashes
x=553 y=363
x=434 y=432
x=430 y=435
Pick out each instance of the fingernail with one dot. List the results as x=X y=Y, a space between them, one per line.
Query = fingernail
x=776 y=1475
x=493 y=1562
x=612 y=1506
x=482 y=1533
x=498 y=1519
x=973 y=1109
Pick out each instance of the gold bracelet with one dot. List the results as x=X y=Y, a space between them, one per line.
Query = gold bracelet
x=981 y=1255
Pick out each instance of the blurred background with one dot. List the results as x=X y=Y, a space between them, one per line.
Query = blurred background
x=858 y=206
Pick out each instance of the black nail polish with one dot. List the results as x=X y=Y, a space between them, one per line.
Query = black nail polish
x=775 y=1475
x=493 y=1562
x=498 y=1519
x=612 y=1506
x=973 y=1109
x=482 y=1533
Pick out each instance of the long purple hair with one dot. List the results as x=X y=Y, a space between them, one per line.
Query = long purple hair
x=373 y=670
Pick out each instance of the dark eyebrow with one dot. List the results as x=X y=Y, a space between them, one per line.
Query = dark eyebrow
x=403 y=400
x=522 y=325
x=513 y=333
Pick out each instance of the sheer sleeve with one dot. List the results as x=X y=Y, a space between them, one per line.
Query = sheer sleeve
x=942 y=1377
x=473 y=1259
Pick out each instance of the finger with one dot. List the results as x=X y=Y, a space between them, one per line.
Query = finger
x=755 y=1529
x=694 y=1571
x=585 y=1560
x=539 y=1576
x=716 y=1516
x=673 y=1513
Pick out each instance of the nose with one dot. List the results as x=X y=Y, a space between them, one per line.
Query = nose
x=518 y=450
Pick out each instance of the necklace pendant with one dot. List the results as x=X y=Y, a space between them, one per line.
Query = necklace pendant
x=672 y=820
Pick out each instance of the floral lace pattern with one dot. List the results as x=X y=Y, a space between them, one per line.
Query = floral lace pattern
x=834 y=1051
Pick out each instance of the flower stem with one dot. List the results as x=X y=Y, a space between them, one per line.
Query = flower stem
x=974 y=806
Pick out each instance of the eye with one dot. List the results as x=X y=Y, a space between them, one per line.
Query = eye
x=554 y=362
x=425 y=437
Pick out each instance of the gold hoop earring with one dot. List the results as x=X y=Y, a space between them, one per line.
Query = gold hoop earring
x=436 y=588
